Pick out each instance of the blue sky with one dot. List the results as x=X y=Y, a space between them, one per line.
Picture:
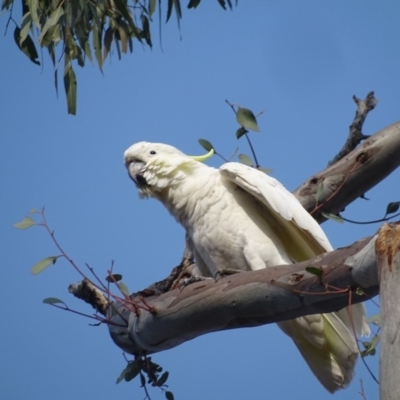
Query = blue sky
x=299 y=61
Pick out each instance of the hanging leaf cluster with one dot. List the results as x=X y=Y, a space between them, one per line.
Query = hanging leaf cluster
x=74 y=31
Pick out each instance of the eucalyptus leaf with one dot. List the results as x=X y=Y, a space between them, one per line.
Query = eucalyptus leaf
x=246 y=119
x=123 y=288
x=114 y=278
x=266 y=171
x=33 y=8
x=43 y=264
x=206 y=144
x=108 y=37
x=244 y=159
x=392 y=207
x=333 y=217
x=375 y=319
x=26 y=223
x=193 y=3
x=52 y=21
x=70 y=86
x=53 y=300
x=240 y=132
x=169 y=395
x=152 y=7
x=27 y=46
x=26 y=25
x=163 y=378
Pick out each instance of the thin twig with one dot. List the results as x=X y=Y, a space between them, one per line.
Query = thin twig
x=355 y=134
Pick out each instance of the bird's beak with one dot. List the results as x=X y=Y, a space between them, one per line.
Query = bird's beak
x=204 y=157
x=135 y=171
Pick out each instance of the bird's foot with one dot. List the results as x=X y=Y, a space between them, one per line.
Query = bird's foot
x=187 y=281
x=225 y=272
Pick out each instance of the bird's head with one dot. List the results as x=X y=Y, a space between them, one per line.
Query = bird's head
x=155 y=166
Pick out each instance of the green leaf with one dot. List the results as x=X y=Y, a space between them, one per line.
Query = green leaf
x=193 y=3
x=392 y=207
x=314 y=271
x=33 y=5
x=25 y=27
x=6 y=4
x=333 y=217
x=375 y=319
x=163 y=378
x=27 y=46
x=123 y=31
x=43 y=264
x=360 y=291
x=124 y=10
x=97 y=46
x=123 y=288
x=108 y=37
x=88 y=51
x=130 y=371
x=246 y=119
x=222 y=4
x=370 y=347
x=245 y=160
x=114 y=278
x=33 y=211
x=26 y=223
x=320 y=191
x=52 y=21
x=53 y=300
x=240 y=132
x=70 y=86
x=205 y=144
x=169 y=395
x=266 y=171
x=53 y=34
x=152 y=7
x=174 y=4
x=146 y=30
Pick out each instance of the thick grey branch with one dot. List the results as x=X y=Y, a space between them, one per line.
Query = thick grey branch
x=388 y=255
x=355 y=129
x=249 y=299
x=353 y=175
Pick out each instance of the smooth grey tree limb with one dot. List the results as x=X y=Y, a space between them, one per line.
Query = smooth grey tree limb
x=353 y=175
x=247 y=299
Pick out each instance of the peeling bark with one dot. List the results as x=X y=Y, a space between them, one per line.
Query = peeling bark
x=388 y=257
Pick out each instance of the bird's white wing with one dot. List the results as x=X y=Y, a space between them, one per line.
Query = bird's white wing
x=299 y=232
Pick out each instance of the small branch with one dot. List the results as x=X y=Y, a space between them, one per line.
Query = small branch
x=355 y=134
x=89 y=293
x=376 y=158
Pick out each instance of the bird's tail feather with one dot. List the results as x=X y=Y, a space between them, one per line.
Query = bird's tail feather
x=328 y=346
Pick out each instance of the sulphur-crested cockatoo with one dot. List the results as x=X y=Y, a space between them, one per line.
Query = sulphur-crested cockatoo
x=236 y=217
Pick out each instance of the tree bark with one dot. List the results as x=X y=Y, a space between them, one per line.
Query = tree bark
x=247 y=299
x=353 y=175
x=388 y=257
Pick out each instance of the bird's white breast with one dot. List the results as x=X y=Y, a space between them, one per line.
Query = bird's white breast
x=225 y=225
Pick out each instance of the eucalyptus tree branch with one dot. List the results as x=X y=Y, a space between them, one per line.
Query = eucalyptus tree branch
x=364 y=106
x=326 y=283
x=353 y=175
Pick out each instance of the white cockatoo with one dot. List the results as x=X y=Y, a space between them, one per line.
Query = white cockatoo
x=236 y=217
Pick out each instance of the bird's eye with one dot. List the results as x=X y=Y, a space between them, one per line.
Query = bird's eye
x=152 y=152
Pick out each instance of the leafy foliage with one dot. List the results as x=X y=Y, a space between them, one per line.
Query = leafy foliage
x=73 y=31
x=43 y=264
